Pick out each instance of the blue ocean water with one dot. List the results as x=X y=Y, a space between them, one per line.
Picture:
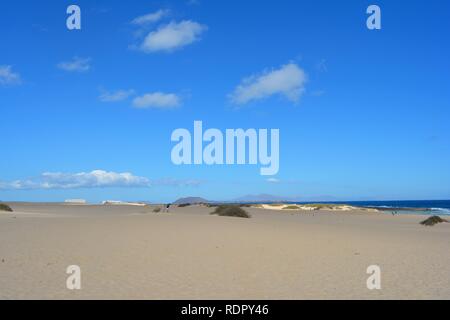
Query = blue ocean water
x=432 y=207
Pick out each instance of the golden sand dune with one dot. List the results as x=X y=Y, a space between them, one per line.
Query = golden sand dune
x=129 y=252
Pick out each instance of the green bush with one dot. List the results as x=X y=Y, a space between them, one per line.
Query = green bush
x=431 y=221
x=182 y=205
x=231 y=211
x=291 y=208
x=5 y=207
x=321 y=206
x=156 y=210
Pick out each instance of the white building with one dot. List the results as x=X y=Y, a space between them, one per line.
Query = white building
x=75 y=201
x=122 y=203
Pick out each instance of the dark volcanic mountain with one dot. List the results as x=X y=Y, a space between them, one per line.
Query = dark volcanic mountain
x=191 y=200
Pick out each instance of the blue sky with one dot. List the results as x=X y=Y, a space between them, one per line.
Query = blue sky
x=368 y=121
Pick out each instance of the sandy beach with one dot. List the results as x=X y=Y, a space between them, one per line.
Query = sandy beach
x=129 y=252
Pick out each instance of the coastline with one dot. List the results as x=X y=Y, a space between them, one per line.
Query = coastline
x=338 y=205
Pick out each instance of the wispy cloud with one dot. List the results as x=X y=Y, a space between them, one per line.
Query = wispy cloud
x=322 y=66
x=288 y=81
x=177 y=182
x=279 y=181
x=116 y=96
x=193 y=2
x=77 y=64
x=39 y=27
x=151 y=17
x=318 y=93
x=8 y=76
x=157 y=100
x=173 y=36
x=93 y=179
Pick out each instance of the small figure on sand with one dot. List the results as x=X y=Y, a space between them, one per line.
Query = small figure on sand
x=167 y=207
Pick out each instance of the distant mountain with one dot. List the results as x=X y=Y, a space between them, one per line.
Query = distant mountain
x=191 y=200
x=262 y=198
x=257 y=198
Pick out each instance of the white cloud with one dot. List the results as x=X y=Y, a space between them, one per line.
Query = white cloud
x=76 y=65
x=157 y=100
x=93 y=179
x=173 y=36
x=150 y=18
x=116 y=96
x=8 y=77
x=288 y=81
